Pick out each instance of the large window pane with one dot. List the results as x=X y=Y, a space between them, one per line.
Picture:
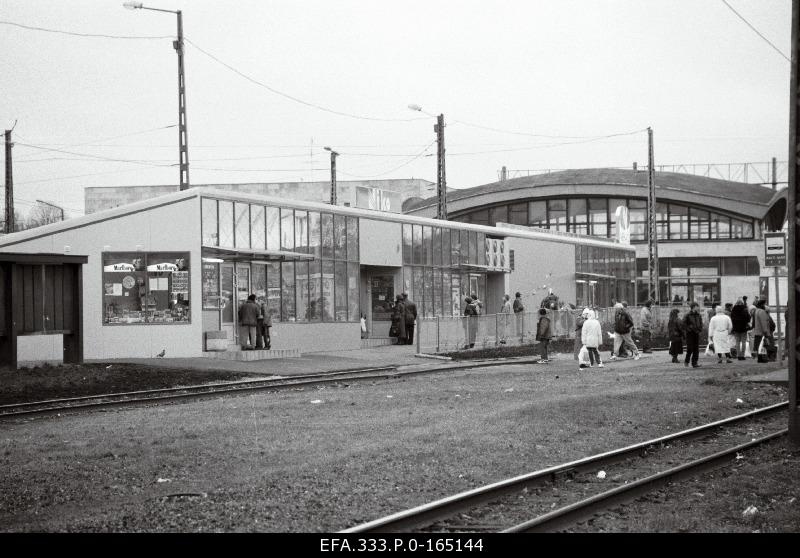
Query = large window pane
x=537 y=214
x=314 y=241
x=518 y=214
x=480 y=217
x=327 y=290
x=698 y=224
x=353 y=301
x=226 y=224
x=455 y=247
x=258 y=278
x=598 y=216
x=407 y=251
x=446 y=249
x=678 y=222
x=210 y=231
x=557 y=213
x=577 y=216
x=427 y=247
x=464 y=249
x=352 y=239
x=327 y=235
x=287 y=229
x=473 y=247
x=301 y=231
x=417 y=240
x=741 y=229
x=427 y=282
x=340 y=291
x=274 y=290
x=498 y=214
x=287 y=291
x=257 y=230
x=242 y=227
x=720 y=227
x=306 y=309
x=340 y=241
x=437 y=246
x=273 y=228
x=315 y=290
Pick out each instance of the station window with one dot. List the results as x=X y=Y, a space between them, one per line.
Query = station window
x=146 y=288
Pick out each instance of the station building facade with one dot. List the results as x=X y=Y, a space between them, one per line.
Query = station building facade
x=163 y=273
x=710 y=243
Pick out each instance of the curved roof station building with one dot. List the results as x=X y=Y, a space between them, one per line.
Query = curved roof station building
x=710 y=231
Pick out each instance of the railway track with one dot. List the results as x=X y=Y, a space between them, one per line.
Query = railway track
x=189 y=393
x=433 y=516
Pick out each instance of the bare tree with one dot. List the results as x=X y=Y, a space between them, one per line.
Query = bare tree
x=44 y=214
x=19 y=222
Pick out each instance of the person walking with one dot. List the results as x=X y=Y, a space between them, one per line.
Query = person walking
x=399 y=321
x=692 y=326
x=543 y=333
x=761 y=329
x=675 y=331
x=410 y=317
x=646 y=325
x=592 y=337
x=751 y=309
x=248 y=322
x=519 y=314
x=719 y=328
x=740 y=318
x=623 y=324
x=505 y=318
x=263 y=338
x=579 y=321
x=470 y=322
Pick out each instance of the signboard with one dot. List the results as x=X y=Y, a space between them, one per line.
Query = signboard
x=119 y=268
x=379 y=200
x=774 y=249
x=497 y=258
x=623 y=220
x=166 y=266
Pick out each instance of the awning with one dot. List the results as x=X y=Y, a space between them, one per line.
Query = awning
x=594 y=275
x=253 y=255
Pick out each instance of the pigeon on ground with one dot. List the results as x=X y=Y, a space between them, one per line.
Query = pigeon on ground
x=162 y=353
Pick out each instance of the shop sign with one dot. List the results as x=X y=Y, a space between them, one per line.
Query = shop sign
x=378 y=200
x=119 y=268
x=774 y=249
x=167 y=267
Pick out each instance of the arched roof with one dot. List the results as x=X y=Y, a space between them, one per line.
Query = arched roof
x=750 y=200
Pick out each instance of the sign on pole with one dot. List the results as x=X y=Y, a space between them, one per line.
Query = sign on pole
x=774 y=249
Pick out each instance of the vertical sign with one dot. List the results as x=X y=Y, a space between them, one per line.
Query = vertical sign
x=774 y=249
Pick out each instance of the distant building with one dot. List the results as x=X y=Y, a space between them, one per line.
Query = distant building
x=710 y=242
x=380 y=195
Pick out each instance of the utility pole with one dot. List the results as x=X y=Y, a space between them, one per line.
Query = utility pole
x=334 y=154
x=774 y=173
x=441 y=181
x=652 y=239
x=9 y=183
x=183 y=138
x=793 y=215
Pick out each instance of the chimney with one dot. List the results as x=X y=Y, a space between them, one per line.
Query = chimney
x=635 y=169
x=503 y=174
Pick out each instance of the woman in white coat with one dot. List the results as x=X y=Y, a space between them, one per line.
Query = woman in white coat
x=592 y=336
x=719 y=330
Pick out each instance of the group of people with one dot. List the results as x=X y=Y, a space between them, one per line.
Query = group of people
x=730 y=328
x=404 y=316
x=255 y=322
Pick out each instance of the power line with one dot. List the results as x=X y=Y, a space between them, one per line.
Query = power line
x=88 y=35
x=757 y=31
x=547 y=146
x=295 y=99
x=106 y=139
x=133 y=161
x=540 y=135
x=53 y=179
x=417 y=156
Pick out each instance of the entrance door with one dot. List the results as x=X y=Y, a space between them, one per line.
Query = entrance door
x=235 y=281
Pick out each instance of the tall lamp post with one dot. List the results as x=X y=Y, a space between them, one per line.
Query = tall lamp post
x=441 y=181
x=183 y=137
x=334 y=154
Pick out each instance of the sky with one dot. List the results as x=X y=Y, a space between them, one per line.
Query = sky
x=530 y=85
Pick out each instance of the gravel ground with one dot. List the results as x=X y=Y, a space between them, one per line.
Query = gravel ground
x=324 y=459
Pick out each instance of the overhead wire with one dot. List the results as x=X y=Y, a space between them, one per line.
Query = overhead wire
x=86 y=35
x=417 y=156
x=740 y=16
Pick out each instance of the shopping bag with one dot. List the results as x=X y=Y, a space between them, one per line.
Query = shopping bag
x=583 y=356
x=709 y=351
x=747 y=348
x=762 y=347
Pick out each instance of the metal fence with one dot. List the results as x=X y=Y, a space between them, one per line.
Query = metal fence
x=445 y=333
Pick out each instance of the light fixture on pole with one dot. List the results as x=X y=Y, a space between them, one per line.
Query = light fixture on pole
x=183 y=136
x=334 y=154
x=441 y=181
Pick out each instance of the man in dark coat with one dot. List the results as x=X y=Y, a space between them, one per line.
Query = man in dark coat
x=740 y=317
x=411 y=317
x=692 y=326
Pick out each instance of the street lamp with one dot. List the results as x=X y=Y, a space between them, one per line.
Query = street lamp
x=334 y=154
x=183 y=136
x=441 y=181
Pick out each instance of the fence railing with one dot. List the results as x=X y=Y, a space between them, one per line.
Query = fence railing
x=451 y=333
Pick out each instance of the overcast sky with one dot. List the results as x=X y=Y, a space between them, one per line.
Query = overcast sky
x=550 y=76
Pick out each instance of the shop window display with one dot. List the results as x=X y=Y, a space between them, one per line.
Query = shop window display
x=146 y=288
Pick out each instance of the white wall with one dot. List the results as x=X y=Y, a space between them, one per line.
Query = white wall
x=174 y=227
x=732 y=287
x=380 y=243
x=312 y=338
x=538 y=263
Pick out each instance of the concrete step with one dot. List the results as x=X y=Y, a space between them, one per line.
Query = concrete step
x=240 y=355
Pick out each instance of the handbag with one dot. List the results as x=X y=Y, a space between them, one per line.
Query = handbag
x=762 y=347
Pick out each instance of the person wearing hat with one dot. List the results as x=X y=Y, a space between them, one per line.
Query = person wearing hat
x=470 y=322
x=543 y=333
